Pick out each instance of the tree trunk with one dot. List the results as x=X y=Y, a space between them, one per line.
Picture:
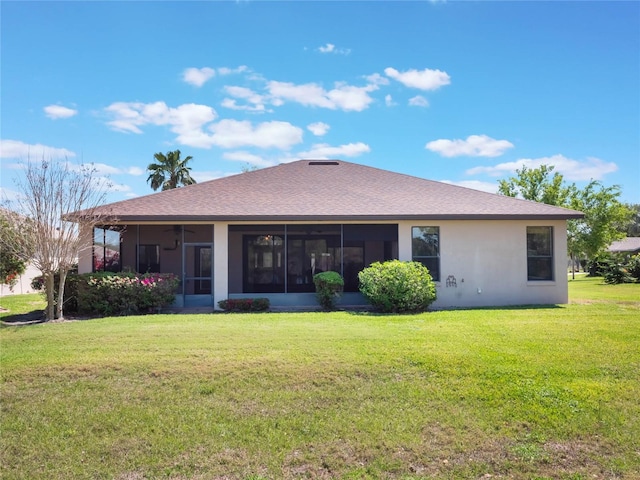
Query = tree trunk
x=51 y=302
x=63 y=278
x=573 y=267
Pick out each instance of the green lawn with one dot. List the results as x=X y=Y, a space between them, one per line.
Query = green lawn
x=522 y=393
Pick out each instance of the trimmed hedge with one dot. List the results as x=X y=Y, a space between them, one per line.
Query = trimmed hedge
x=329 y=287
x=397 y=287
x=245 y=304
x=111 y=294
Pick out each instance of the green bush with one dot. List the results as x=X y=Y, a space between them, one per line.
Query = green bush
x=634 y=267
x=329 y=287
x=107 y=293
x=244 y=304
x=398 y=287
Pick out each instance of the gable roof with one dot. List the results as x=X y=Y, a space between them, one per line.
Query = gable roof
x=326 y=190
x=628 y=244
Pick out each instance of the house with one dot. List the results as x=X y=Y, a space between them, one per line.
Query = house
x=629 y=246
x=265 y=233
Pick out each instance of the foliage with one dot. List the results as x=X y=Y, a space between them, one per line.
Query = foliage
x=107 y=293
x=329 y=287
x=398 y=287
x=634 y=266
x=517 y=393
x=170 y=171
x=605 y=220
x=244 y=304
x=535 y=184
x=13 y=261
x=633 y=228
x=71 y=288
x=58 y=202
x=616 y=268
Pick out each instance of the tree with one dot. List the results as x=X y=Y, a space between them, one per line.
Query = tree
x=537 y=185
x=170 y=171
x=49 y=192
x=605 y=217
x=13 y=262
x=633 y=228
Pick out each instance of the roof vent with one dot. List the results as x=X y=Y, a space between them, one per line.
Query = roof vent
x=324 y=163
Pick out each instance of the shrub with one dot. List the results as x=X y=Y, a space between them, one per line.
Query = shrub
x=634 y=267
x=107 y=293
x=329 y=287
x=398 y=287
x=244 y=304
x=70 y=288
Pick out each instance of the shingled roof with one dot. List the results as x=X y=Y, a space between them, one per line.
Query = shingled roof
x=332 y=190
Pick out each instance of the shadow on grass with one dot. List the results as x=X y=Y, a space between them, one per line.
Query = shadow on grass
x=30 y=318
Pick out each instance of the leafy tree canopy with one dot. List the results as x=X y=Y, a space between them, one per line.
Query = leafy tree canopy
x=169 y=171
x=606 y=218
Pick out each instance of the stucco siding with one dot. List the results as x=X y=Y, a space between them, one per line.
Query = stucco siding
x=484 y=263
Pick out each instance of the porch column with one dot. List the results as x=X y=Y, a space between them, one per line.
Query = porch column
x=220 y=263
x=404 y=241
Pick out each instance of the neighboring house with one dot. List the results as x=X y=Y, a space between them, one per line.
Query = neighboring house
x=265 y=233
x=23 y=285
x=629 y=246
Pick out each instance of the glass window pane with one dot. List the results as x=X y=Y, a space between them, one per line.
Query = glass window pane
x=539 y=253
x=539 y=241
x=426 y=241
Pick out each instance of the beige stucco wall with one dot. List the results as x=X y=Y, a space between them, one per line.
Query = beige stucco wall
x=488 y=260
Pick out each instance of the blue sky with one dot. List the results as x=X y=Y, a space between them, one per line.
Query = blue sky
x=462 y=92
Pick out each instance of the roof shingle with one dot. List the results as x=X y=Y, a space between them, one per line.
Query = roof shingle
x=327 y=190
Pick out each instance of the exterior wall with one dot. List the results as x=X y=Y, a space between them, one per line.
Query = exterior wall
x=220 y=263
x=488 y=261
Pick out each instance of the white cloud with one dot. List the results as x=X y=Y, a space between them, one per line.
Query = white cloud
x=473 y=146
x=205 y=176
x=422 y=79
x=233 y=134
x=342 y=97
x=229 y=71
x=20 y=150
x=573 y=170
x=246 y=157
x=187 y=120
x=256 y=101
x=388 y=100
x=136 y=171
x=418 y=101
x=377 y=79
x=198 y=76
x=58 y=111
x=325 y=151
x=331 y=48
x=318 y=129
x=490 y=187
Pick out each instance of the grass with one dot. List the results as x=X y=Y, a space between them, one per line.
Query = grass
x=520 y=393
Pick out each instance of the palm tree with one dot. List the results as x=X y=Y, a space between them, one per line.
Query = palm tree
x=169 y=171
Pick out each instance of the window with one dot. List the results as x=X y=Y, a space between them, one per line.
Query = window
x=426 y=249
x=106 y=250
x=149 y=258
x=539 y=253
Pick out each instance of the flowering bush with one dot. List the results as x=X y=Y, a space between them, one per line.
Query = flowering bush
x=244 y=304
x=108 y=293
